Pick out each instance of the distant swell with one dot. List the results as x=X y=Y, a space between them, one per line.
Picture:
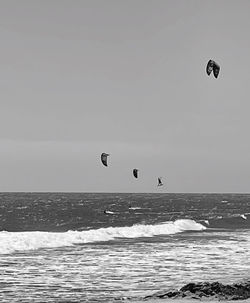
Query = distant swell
x=23 y=241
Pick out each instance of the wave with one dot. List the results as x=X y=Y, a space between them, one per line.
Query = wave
x=23 y=241
x=109 y=212
x=234 y=221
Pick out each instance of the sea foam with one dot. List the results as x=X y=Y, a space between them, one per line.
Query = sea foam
x=23 y=241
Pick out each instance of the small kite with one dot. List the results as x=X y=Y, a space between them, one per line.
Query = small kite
x=160 y=182
x=135 y=172
x=213 y=66
x=104 y=159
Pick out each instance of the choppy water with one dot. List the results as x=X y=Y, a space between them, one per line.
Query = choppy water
x=63 y=247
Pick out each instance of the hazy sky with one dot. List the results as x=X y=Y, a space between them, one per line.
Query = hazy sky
x=79 y=78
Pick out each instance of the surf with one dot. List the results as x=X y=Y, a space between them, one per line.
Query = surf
x=24 y=241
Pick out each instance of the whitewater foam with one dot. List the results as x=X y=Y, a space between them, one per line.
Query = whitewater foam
x=23 y=241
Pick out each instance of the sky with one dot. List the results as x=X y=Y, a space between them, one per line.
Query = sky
x=128 y=78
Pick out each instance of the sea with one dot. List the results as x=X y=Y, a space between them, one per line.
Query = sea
x=111 y=247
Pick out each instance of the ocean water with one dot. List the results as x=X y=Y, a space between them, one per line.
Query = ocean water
x=95 y=247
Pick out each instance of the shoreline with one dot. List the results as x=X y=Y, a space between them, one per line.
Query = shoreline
x=186 y=300
x=202 y=291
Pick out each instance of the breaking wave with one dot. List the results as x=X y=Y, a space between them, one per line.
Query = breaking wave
x=23 y=241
